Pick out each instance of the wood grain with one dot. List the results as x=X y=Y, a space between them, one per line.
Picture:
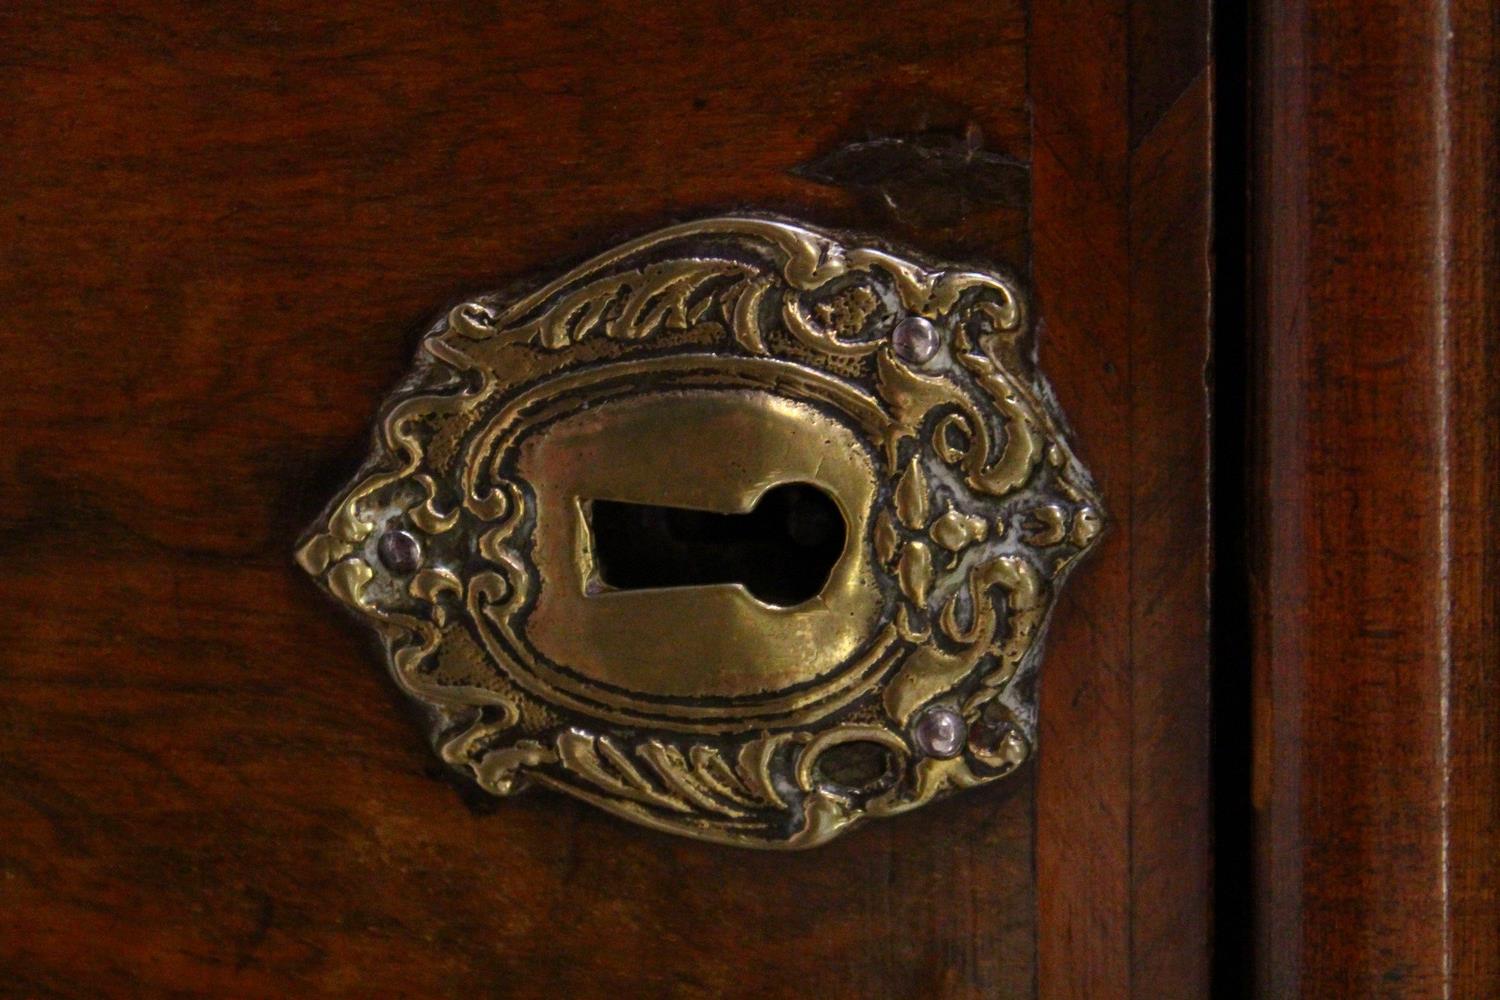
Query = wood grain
x=1121 y=233
x=224 y=226
x=1378 y=752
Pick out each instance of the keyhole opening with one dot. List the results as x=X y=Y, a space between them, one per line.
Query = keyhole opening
x=782 y=551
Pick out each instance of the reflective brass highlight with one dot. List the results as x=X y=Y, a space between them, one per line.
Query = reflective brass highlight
x=698 y=367
x=717 y=451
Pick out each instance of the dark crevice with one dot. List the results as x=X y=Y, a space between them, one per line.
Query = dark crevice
x=1230 y=498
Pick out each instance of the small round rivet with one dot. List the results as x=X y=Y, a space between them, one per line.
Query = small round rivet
x=478 y=315
x=399 y=552
x=915 y=339
x=940 y=732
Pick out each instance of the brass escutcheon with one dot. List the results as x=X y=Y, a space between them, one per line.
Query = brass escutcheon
x=741 y=530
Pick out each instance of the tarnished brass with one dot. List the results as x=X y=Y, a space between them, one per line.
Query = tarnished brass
x=700 y=368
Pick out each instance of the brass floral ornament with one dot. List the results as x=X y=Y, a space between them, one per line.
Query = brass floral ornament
x=700 y=368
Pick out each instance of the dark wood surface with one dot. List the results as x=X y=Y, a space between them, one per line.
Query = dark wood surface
x=1121 y=98
x=223 y=226
x=1378 y=749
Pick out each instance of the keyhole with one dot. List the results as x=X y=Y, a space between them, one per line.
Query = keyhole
x=781 y=551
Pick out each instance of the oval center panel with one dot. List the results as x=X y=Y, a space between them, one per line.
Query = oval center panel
x=732 y=491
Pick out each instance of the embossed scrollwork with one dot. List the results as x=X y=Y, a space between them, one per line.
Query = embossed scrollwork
x=967 y=503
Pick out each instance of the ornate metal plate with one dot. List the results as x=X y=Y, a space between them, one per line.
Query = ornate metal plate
x=700 y=369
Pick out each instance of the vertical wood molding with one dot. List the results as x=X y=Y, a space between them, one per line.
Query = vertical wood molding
x=1378 y=748
x=1121 y=99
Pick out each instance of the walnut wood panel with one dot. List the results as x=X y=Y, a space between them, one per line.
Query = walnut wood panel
x=223 y=228
x=1378 y=753
x=1121 y=257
